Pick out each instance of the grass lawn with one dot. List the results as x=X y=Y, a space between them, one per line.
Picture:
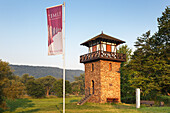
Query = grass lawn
x=54 y=105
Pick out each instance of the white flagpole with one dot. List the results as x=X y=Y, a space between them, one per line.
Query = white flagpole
x=64 y=60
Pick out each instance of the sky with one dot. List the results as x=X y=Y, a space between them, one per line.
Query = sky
x=23 y=27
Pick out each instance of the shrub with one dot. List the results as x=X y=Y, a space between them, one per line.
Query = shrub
x=165 y=99
x=1 y=110
x=129 y=99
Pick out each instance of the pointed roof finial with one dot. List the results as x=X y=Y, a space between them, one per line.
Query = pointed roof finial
x=102 y=32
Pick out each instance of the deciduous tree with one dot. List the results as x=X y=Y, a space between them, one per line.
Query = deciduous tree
x=5 y=74
x=47 y=82
x=78 y=86
x=26 y=77
x=58 y=87
x=35 y=89
x=13 y=89
x=126 y=90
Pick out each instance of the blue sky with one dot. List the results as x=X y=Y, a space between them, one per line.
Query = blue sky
x=23 y=27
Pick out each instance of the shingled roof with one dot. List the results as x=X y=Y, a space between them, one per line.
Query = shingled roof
x=103 y=37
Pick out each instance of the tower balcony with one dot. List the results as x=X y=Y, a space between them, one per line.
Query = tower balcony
x=102 y=55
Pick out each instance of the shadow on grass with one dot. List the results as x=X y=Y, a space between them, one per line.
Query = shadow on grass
x=59 y=109
x=71 y=101
x=84 y=106
x=74 y=105
x=122 y=106
x=30 y=111
x=23 y=103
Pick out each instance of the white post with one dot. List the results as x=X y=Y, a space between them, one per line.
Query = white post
x=137 y=98
x=64 y=60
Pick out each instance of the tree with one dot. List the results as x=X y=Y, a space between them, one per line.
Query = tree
x=5 y=70
x=58 y=87
x=164 y=29
x=47 y=82
x=78 y=86
x=149 y=66
x=35 y=89
x=141 y=66
x=13 y=89
x=162 y=48
x=126 y=90
x=127 y=51
x=26 y=77
x=68 y=87
x=75 y=88
x=5 y=74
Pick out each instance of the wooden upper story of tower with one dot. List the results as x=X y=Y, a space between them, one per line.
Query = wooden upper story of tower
x=102 y=47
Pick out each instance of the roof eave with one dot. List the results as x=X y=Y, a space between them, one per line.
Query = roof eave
x=102 y=37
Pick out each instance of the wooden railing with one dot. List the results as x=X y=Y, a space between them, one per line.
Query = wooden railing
x=102 y=55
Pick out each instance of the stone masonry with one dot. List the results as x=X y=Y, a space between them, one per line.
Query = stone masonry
x=106 y=81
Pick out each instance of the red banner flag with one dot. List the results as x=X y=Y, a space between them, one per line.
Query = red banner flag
x=54 y=20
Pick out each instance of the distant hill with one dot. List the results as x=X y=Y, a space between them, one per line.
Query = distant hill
x=41 y=71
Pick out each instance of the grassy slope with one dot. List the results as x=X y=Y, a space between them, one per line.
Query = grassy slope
x=54 y=105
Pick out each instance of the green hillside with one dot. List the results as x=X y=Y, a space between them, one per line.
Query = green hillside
x=41 y=71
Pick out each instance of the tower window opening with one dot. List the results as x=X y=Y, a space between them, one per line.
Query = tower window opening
x=92 y=67
x=92 y=87
x=110 y=66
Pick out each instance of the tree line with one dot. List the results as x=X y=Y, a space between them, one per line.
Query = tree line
x=14 y=87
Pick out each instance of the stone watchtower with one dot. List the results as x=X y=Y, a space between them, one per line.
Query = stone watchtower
x=102 y=63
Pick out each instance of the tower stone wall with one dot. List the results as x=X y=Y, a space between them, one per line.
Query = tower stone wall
x=95 y=76
x=106 y=77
